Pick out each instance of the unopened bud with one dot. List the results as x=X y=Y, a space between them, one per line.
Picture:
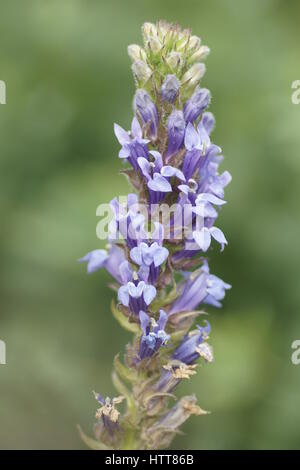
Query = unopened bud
x=136 y=52
x=163 y=29
x=196 y=104
x=141 y=71
x=184 y=37
x=194 y=43
x=199 y=55
x=176 y=129
x=154 y=45
x=144 y=106
x=148 y=30
x=170 y=88
x=193 y=75
x=174 y=60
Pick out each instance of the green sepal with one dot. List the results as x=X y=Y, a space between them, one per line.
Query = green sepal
x=160 y=302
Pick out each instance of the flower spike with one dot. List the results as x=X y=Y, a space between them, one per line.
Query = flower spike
x=158 y=239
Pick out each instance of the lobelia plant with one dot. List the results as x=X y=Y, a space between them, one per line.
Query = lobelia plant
x=157 y=258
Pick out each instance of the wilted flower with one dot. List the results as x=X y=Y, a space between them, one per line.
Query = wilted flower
x=108 y=411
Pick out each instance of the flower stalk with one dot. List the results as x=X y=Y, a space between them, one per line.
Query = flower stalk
x=157 y=262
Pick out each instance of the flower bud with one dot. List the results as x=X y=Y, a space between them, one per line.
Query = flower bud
x=144 y=106
x=148 y=30
x=183 y=40
x=176 y=128
x=170 y=88
x=154 y=45
x=199 y=55
x=174 y=60
x=193 y=75
x=208 y=122
x=196 y=104
x=194 y=43
x=163 y=29
x=136 y=53
x=141 y=71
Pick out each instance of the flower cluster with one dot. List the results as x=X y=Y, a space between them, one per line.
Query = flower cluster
x=162 y=279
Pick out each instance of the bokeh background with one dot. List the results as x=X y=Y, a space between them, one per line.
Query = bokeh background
x=68 y=79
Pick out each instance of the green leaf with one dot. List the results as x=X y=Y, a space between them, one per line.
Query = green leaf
x=90 y=442
x=123 y=390
x=123 y=320
x=124 y=372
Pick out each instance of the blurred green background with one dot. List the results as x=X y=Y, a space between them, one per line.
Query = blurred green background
x=68 y=79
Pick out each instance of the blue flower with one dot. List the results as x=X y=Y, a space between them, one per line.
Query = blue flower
x=128 y=222
x=199 y=101
x=150 y=257
x=95 y=260
x=135 y=293
x=208 y=121
x=215 y=290
x=154 y=335
x=146 y=109
x=196 y=139
x=170 y=88
x=190 y=348
x=111 y=261
x=176 y=131
x=203 y=237
x=204 y=208
x=157 y=176
x=200 y=152
x=133 y=144
x=193 y=292
x=176 y=163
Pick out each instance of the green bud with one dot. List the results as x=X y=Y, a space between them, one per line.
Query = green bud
x=174 y=60
x=154 y=45
x=136 y=52
x=141 y=71
x=183 y=40
x=163 y=29
x=193 y=75
x=148 y=30
x=199 y=55
x=194 y=43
